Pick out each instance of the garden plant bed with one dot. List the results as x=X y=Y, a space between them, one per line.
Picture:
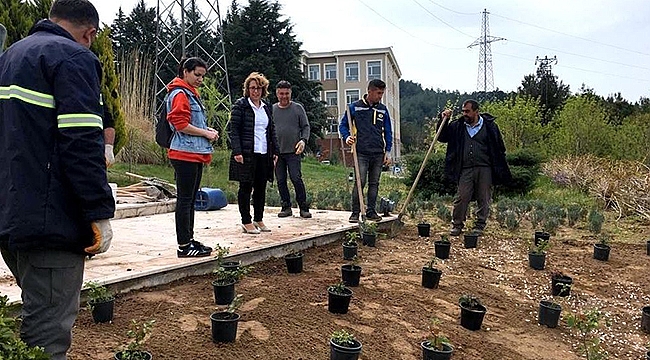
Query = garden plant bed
x=285 y=316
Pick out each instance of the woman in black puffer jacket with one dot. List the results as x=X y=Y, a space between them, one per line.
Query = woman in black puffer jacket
x=254 y=150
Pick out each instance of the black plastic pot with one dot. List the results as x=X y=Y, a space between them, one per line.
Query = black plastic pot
x=369 y=239
x=351 y=274
x=102 y=311
x=442 y=249
x=430 y=277
x=224 y=293
x=350 y=251
x=133 y=354
x=645 y=319
x=471 y=240
x=429 y=353
x=549 y=313
x=647 y=355
x=339 y=303
x=537 y=261
x=224 y=326
x=294 y=263
x=541 y=235
x=471 y=319
x=231 y=265
x=601 y=252
x=424 y=230
x=338 y=352
x=557 y=288
x=647 y=247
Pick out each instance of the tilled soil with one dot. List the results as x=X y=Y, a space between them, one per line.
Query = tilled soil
x=285 y=316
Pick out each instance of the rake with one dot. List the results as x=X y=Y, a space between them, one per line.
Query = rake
x=399 y=223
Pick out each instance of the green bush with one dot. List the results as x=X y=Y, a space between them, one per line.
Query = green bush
x=524 y=166
x=11 y=346
x=433 y=181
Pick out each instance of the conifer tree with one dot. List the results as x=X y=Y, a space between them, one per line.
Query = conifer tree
x=102 y=47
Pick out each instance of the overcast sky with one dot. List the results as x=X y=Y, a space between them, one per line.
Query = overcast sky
x=604 y=44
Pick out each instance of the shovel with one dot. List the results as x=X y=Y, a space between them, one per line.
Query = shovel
x=399 y=223
x=356 y=168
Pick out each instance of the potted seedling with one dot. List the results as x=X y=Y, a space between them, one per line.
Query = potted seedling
x=351 y=273
x=224 y=323
x=537 y=254
x=138 y=333
x=368 y=232
x=344 y=346
x=101 y=302
x=471 y=312
x=431 y=275
x=550 y=310
x=424 y=228
x=294 y=262
x=602 y=248
x=587 y=325
x=350 y=245
x=560 y=284
x=338 y=298
x=442 y=247
x=436 y=346
x=224 y=284
x=470 y=239
x=647 y=247
x=11 y=345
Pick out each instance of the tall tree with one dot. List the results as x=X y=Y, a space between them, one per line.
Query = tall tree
x=546 y=87
x=19 y=16
x=110 y=84
x=135 y=32
x=256 y=38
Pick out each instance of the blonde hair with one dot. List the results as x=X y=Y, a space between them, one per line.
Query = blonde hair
x=261 y=82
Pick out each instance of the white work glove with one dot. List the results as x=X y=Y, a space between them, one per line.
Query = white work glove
x=300 y=147
x=102 y=236
x=108 y=153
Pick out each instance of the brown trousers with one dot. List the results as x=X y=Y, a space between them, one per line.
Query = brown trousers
x=475 y=183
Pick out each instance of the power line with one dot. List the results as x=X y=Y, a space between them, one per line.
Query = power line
x=451 y=10
x=408 y=33
x=582 y=56
x=442 y=21
x=569 y=35
x=573 y=68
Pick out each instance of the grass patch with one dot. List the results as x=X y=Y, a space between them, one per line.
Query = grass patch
x=549 y=192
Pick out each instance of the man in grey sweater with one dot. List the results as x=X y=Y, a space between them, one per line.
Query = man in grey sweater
x=292 y=130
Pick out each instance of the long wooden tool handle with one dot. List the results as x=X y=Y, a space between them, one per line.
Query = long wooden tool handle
x=356 y=166
x=417 y=178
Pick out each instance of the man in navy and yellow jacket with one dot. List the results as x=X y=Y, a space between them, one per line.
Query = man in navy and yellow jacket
x=55 y=200
x=371 y=130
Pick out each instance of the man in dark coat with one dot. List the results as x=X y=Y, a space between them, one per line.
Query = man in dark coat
x=476 y=160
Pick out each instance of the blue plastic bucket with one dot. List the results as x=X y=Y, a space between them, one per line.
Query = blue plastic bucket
x=210 y=199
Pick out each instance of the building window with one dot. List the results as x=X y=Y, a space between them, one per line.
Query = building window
x=314 y=72
x=330 y=71
x=331 y=98
x=374 y=70
x=351 y=96
x=334 y=124
x=352 y=71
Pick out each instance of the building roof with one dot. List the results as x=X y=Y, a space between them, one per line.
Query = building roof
x=356 y=52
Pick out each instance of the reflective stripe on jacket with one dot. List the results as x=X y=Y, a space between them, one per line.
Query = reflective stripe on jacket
x=53 y=172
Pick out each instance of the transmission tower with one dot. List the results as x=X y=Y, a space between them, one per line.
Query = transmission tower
x=199 y=19
x=485 y=81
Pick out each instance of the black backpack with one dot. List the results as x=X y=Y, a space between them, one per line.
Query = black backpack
x=164 y=132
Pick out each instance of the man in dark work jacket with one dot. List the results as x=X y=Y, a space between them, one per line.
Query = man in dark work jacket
x=476 y=160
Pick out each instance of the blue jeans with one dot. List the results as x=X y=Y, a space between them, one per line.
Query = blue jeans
x=370 y=168
x=188 y=179
x=290 y=162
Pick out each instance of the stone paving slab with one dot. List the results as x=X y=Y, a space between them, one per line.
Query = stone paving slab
x=143 y=249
